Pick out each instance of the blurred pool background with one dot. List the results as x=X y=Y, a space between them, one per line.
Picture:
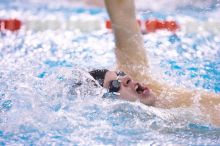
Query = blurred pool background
x=42 y=64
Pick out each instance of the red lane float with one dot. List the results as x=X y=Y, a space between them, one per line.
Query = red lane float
x=153 y=25
x=10 y=24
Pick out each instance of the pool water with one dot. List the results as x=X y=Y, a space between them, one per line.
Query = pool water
x=48 y=98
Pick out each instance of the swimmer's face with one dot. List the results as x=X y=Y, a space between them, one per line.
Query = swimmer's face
x=129 y=89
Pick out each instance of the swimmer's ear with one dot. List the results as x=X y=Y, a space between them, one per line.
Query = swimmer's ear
x=99 y=75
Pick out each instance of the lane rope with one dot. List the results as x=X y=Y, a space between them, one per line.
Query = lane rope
x=147 y=26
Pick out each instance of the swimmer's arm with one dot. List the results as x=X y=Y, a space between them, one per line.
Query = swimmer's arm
x=172 y=97
x=207 y=102
x=130 y=52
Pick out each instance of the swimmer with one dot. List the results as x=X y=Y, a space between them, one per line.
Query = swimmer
x=136 y=83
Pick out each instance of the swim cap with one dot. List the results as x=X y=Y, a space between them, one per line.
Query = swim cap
x=99 y=75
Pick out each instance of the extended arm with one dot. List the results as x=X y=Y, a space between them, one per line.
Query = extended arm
x=130 y=52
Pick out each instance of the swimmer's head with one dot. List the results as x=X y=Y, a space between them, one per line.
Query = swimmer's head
x=123 y=86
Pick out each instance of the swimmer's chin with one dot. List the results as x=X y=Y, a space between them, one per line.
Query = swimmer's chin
x=149 y=100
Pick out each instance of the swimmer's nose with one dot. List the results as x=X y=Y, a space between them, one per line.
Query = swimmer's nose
x=126 y=81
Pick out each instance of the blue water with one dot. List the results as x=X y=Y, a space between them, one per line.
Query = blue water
x=47 y=97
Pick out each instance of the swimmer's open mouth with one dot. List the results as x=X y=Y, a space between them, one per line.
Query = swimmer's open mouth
x=141 y=90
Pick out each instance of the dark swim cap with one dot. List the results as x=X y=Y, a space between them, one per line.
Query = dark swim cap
x=99 y=75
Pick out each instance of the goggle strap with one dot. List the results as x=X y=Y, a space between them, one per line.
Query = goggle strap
x=118 y=79
x=116 y=93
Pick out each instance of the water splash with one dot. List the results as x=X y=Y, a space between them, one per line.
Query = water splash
x=47 y=96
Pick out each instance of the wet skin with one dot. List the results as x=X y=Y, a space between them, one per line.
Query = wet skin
x=130 y=90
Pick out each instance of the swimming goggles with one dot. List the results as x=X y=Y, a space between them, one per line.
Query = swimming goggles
x=115 y=85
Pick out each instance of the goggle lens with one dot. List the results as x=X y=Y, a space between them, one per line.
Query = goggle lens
x=115 y=85
x=120 y=73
